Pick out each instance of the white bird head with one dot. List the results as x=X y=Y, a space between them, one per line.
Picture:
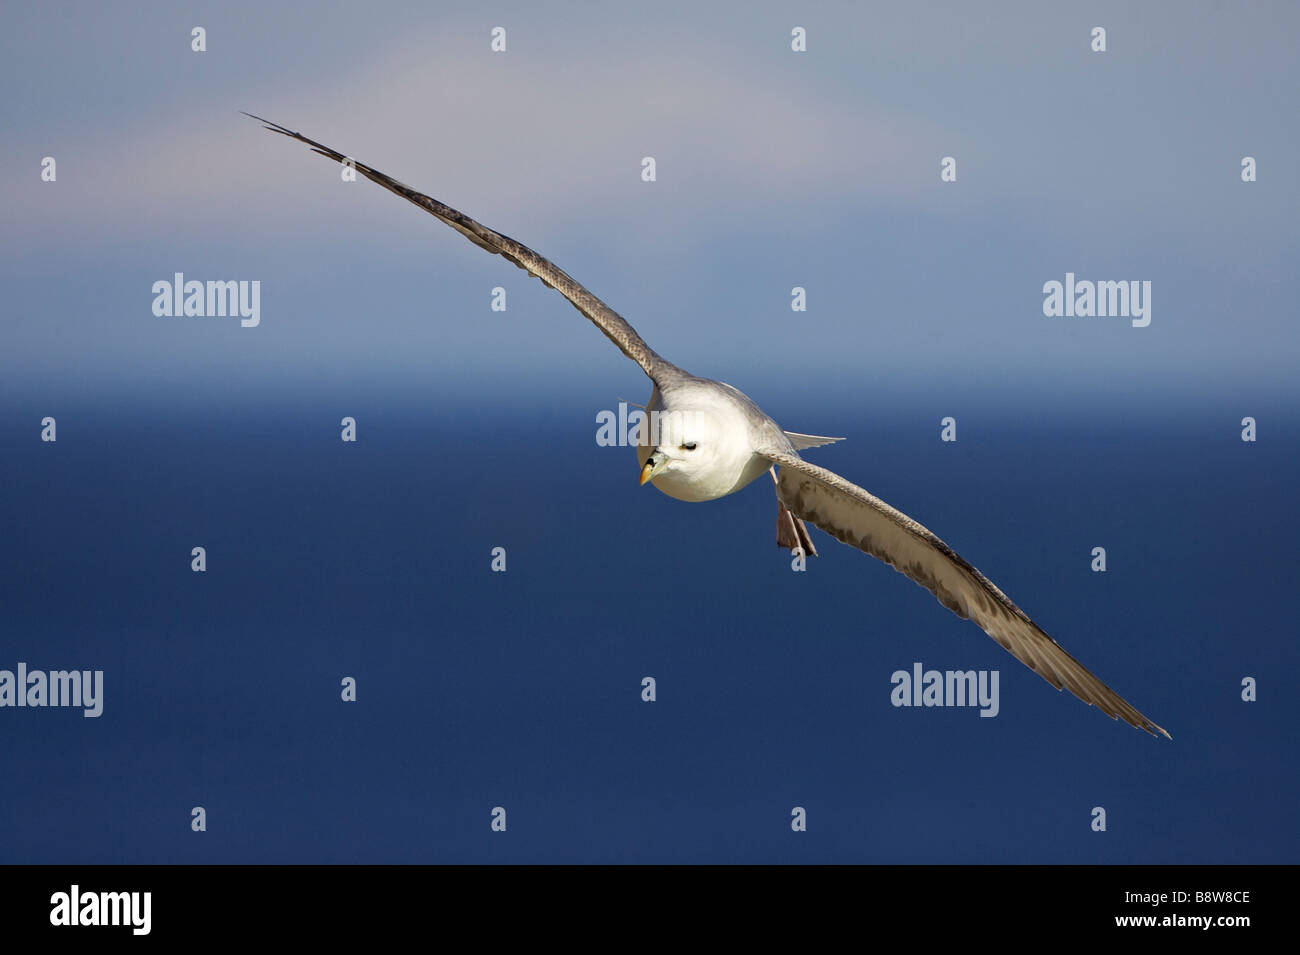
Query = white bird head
x=696 y=454
x=683 y=444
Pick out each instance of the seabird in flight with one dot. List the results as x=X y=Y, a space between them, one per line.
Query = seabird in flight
x=703 y=439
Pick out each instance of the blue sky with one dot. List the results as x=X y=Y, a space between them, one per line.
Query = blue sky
x=774 y=170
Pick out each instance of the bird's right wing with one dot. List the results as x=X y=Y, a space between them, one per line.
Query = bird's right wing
x=860 y=519
x=615 y=327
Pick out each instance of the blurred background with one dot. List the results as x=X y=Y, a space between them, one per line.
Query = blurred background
x=476 y=429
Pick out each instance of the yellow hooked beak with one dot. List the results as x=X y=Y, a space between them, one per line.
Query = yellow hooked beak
x=652 y=466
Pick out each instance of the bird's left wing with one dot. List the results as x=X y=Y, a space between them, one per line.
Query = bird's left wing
x=615 y=326
x=858 y=518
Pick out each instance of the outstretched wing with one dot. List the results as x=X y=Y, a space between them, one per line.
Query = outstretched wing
x=614 y=326
x=860 y=519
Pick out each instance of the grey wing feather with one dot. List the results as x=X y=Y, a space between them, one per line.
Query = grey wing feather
x=858 y=518
x=614 y=326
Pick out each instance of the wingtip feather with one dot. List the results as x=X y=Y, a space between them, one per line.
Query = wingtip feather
x=271 y=125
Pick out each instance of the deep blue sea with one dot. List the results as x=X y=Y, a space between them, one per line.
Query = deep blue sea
x=523 y=690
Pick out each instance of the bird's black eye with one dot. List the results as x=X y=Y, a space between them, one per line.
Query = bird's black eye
x=688 y=446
